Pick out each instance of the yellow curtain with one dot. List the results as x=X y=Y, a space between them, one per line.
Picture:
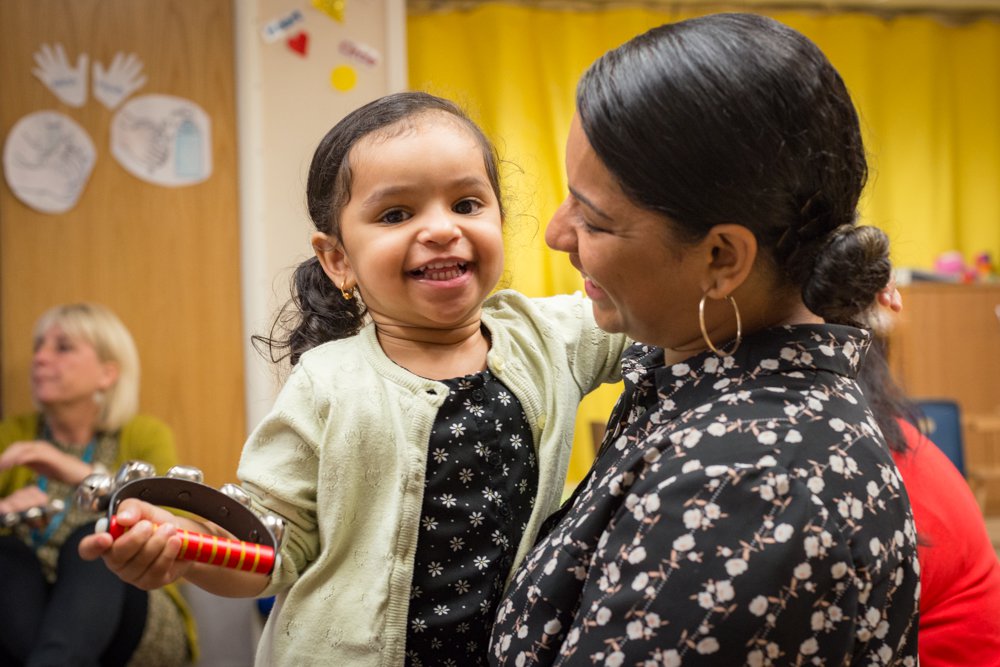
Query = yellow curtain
x=928 y=95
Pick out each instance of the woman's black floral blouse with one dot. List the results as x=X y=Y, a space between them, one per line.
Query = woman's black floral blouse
x=744 y=511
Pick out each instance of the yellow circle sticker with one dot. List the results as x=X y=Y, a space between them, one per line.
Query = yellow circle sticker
x=343 y=78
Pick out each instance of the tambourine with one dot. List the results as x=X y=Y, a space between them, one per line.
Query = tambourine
x=258 y=539
x=34 y=517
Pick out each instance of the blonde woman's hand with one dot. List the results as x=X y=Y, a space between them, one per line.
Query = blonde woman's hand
x=23 y=499
x=46 y=460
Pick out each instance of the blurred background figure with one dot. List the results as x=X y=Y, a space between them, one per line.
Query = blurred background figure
x=55 y=608
x=959 y=570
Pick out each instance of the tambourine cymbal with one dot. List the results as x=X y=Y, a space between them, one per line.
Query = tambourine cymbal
x=257 y=538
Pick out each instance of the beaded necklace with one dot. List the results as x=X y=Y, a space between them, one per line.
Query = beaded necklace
x=40 y=537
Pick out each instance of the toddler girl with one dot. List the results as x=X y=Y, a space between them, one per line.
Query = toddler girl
x=425 y=429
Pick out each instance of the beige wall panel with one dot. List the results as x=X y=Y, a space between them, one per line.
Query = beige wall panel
x=165 y=259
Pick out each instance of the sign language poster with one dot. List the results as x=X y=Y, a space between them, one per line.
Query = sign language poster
x=48 y=157
x=47 y=160
x=163 y=139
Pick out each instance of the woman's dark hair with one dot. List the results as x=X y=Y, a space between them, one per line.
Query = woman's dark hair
x=887 y=400
x=737 y=118
x=317 y=311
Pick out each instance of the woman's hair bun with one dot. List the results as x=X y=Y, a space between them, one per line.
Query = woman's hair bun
x=850 y=270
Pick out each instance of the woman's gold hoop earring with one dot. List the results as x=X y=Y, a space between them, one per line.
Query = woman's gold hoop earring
x=704 y=331
x=343 y=290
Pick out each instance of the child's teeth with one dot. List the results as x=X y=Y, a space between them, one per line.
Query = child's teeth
x=442 y=270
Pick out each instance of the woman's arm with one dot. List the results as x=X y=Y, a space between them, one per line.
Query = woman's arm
x=46 y=460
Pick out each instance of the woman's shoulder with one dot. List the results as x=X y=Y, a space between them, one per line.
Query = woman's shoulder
x=18 y=427
x=145 y=426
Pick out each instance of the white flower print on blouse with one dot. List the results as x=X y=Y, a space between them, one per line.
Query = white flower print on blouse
x=778 y=535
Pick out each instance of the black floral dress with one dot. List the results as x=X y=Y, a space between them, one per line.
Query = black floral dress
x=482 y=477
x=743 y=511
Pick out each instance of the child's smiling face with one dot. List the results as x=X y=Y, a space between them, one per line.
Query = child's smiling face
x=422 y=231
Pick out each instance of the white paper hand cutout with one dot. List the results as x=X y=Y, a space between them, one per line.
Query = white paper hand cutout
x=69 y=84
x=121 y=79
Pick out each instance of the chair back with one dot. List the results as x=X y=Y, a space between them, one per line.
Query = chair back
x=941 y=422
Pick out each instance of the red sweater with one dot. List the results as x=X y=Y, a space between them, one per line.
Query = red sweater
x=959 y=570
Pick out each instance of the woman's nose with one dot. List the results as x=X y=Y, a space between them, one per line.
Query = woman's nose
x=559 y=233
x=42 y=354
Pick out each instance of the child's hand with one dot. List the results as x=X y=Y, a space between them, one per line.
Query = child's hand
x=143 y=557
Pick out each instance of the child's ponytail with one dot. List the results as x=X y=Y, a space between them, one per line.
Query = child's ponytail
x=316 y=313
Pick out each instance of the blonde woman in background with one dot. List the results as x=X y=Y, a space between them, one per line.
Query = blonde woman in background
x=55 y=608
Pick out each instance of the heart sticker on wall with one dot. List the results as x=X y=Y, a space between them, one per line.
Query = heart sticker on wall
x=299 y=42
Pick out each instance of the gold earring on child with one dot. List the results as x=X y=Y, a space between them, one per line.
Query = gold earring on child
x=348 y=295
x=704 y=331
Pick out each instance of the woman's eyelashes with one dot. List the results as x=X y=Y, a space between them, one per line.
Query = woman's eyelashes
x=589 y=227
x=61 y=344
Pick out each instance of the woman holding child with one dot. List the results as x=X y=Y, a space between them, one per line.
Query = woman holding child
x=743 y=508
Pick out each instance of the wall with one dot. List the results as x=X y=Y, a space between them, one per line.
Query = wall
x=286 y=104
x=165 y=259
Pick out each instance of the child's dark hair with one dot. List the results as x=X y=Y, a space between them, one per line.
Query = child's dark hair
x=317 y=311
x=736 y=118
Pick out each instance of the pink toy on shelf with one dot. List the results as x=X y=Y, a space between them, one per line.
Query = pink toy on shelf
x=950 y=263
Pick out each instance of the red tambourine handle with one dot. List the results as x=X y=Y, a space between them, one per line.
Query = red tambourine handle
x=221 y=551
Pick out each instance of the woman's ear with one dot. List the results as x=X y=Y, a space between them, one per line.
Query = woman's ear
x=333 y=259
x=110 y=370
x=733 y=250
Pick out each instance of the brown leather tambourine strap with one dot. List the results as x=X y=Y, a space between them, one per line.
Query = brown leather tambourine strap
x=199 y=499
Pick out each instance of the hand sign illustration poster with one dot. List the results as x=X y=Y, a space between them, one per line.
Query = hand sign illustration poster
x=48 y=157
x=163 y=139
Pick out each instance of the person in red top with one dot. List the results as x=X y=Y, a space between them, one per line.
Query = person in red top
x=959 y=570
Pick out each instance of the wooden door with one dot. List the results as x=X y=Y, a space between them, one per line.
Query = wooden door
x=946 y=344
x=165 y=259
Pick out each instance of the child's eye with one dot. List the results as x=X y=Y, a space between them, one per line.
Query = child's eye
x=394 y=216
x=468 y=206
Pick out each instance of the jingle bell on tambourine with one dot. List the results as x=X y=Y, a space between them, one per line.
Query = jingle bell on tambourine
x=256 y=540
x=34 y=517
